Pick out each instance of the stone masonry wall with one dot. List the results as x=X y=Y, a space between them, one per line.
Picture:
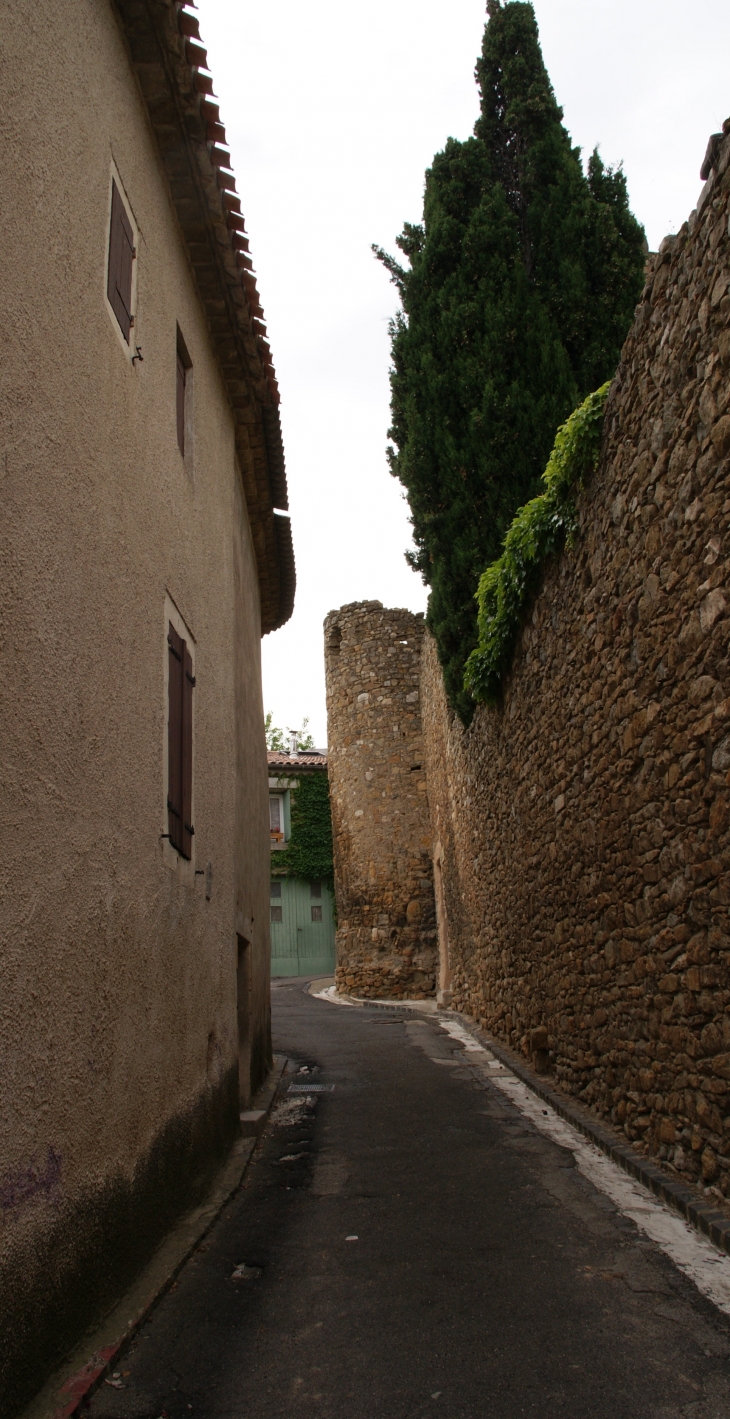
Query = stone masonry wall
x=583 y=825
x=386 y=935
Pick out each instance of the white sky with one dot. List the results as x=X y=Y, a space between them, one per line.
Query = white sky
x=333 y=111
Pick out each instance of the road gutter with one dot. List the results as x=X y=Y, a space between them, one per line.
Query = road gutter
x=712 y=1224
x=86 y=1368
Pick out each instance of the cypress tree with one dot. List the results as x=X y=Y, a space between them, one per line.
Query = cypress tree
x=519 y=290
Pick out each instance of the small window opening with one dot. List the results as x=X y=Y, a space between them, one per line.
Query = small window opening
x=276 y=890
x=316 y=913
x=315 y=889
x=184 y=364
x=276 y=914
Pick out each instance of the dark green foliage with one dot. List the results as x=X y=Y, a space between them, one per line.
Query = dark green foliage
x=538 y=531
x=520 y=289
x=309 y=853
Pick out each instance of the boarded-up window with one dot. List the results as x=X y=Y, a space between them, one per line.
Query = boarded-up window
x=276 y=914
x=121 y=259
x=316 y=913
x=181 y=682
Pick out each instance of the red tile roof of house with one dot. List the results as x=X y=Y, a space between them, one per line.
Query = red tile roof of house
x=305 y=759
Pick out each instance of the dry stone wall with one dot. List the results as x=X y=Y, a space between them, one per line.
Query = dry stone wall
x=582 y=827
x=386 y=933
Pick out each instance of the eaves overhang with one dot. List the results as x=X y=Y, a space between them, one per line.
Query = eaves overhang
x=170 y=65
x=303 y=762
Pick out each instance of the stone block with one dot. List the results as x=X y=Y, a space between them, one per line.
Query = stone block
x=721 y=436
x=252 y=1122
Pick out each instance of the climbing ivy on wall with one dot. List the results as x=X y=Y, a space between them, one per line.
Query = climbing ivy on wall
x=538 y=530
x=309 y=853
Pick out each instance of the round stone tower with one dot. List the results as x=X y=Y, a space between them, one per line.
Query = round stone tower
x=386 y=932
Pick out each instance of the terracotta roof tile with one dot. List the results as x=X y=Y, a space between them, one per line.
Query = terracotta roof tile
x=303 y=760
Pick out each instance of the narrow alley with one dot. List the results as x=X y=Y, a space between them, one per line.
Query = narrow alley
x=408 y=1242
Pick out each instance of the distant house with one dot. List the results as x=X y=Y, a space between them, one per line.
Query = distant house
x=144 y=553
x=301 y=905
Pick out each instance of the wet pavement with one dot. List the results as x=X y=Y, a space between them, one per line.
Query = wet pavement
x=408 y=1244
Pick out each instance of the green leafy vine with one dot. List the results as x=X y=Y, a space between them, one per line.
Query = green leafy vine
x=539 y=529
x=309 y=851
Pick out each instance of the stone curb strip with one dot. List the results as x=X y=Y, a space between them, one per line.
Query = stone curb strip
x=73 y=1384
x=713 y=1224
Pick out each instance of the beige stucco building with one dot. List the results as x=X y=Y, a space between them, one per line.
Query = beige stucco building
x=141 y=470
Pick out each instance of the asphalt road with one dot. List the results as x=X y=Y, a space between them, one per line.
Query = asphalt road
x=415 y=1247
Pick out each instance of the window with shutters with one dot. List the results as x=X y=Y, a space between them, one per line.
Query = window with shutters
x=279 y=818
x=276 y=817
x=180 y=685
x=183 y=389
x=120 y=268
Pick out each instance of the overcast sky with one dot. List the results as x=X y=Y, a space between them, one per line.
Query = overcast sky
x=333 y=111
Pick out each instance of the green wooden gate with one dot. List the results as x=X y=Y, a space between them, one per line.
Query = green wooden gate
x=302 y=928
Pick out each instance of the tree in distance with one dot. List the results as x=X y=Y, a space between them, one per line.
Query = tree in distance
x=519 y=290
x=278 y=740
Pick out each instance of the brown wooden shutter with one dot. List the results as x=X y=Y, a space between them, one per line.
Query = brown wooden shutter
x=115 y=234
x=180 y=403
x=188 y=684
x=181 y=683
x=121 y=258
x=176 y=648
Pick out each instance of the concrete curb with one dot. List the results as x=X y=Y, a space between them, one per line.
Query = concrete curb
x=713 y=1224
x=74 y=1382
x=426 y=1007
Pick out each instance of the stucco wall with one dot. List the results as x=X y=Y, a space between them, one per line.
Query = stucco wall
x=584 y=823
x=386 y=930
x=118 y=1029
